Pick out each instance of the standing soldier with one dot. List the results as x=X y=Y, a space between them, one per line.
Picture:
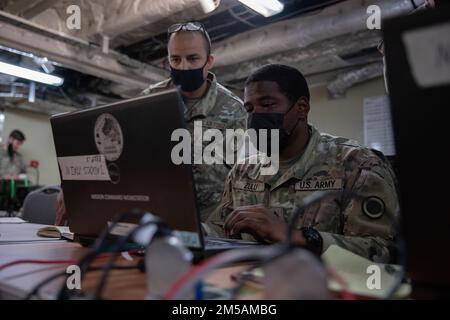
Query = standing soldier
x=206 y=100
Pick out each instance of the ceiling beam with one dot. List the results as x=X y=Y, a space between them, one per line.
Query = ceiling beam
x=319 y=57
x=38 y=106
x=29 y=9
x=77 y=55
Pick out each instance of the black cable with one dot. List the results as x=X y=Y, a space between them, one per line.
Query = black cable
x=297 y=211
x=317 y=197
x=98 y=247
x=401 y=261
x=36 y=289
x=241 y=281
x=116 y=249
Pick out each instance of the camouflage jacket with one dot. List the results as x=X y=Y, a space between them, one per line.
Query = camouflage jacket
x=218 y=109
x=11 y=168
x=363 y=225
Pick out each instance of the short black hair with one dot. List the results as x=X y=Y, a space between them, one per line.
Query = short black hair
x=205 y=37
x=291 y=81
x=17 y=134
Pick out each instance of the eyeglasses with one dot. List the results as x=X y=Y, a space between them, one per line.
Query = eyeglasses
x=188 y=26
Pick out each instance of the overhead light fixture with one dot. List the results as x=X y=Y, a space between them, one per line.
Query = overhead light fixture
x=208 y=5
x=30 y=74
x=266 y=8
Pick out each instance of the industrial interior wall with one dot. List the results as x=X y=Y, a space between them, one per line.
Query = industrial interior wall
x=343 y=117
x=38 y=145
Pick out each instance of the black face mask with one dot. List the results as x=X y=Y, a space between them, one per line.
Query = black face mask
x=189 y=80
x=10 y=150
x=272 y=121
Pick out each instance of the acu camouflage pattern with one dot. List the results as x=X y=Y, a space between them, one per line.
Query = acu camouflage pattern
x=328 y=163
x=218 y=109
x=11 y=168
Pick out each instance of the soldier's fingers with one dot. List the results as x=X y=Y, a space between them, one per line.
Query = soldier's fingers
x=245 y=225
x=229 y=221
x=233 y=218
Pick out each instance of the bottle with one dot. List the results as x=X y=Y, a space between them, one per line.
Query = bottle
x=298 y=275
x=166 y=259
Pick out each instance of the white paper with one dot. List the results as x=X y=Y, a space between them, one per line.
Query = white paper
x=378 y=132
x=353 y=270
x=92 y=167
x=428 y=52
x=122 y=228
x=11 y=220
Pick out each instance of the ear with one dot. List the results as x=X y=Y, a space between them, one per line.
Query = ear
x=210 y=61
x=302 y=106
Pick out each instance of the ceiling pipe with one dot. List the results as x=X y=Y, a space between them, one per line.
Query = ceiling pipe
x=343 y=18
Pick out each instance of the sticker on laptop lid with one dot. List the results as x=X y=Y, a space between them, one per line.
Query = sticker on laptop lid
x=108 y=136
x=91 y=168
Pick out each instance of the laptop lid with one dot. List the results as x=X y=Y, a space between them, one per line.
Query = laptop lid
x=117 y=157
x=417 y=51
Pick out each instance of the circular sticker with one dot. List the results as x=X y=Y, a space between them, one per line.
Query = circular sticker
x=373 y=207
x=108 y=136
x=114 y=173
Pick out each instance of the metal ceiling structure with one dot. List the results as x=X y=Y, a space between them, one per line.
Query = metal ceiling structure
x=121 y=45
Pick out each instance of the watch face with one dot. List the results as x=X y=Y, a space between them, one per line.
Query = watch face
x=314 y=241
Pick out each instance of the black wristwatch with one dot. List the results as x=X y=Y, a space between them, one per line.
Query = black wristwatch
x=314 y=241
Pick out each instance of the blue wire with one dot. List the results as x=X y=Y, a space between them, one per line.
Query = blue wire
x=199 y=291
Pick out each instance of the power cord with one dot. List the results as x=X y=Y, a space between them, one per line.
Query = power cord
x=35 y=290
x=119 y=245
x=98 y=248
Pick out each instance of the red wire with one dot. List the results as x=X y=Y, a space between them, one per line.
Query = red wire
x=13 y=263
x=345 y=292
x=187 y=276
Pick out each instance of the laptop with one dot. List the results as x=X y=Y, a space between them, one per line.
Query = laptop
x=117 y=157
x=417 y=51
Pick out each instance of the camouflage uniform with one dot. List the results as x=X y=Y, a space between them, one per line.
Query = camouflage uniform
x=8 y=167
x=218 y=109
x=362 y=225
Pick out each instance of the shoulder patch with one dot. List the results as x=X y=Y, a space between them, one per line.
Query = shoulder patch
x=373 y=207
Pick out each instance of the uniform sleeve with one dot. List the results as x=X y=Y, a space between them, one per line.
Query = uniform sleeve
x=370 y=219
x=213 y=226
x=22 y=165
x=241 y=116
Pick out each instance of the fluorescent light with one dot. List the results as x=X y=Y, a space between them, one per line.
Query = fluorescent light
x=30 y=74
x=266 y=8
x=208 y=5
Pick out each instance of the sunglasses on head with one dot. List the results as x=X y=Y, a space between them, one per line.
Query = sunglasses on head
x=188 y=26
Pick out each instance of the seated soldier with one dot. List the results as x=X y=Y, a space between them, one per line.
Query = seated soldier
x=277 y=97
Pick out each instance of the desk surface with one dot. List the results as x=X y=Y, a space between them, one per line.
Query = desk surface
x=17 y=281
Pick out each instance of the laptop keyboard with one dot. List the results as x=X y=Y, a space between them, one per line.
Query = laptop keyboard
x=227 y=242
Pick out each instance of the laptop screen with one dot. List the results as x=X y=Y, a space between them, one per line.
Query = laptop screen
x=117 y=157
x=418 y=66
